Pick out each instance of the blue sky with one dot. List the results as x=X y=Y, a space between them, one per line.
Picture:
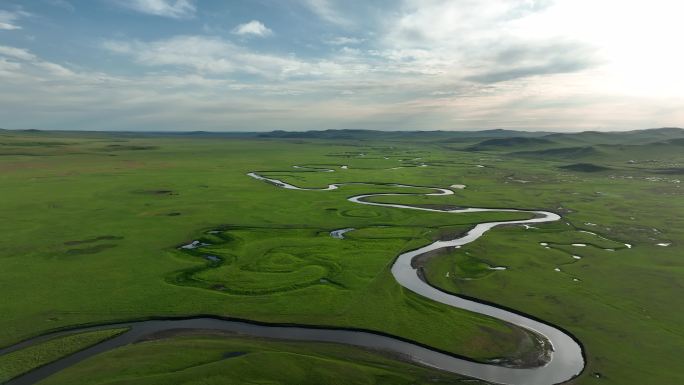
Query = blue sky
x=261 y=65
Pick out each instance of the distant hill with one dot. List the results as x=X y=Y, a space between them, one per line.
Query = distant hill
x=442 y=136
x=670 y=171
x=498 y=133
x=676 y=142
x=515 y=141
x=327 y=134
x=618 y=137
x=563 y=152
x=484 y=140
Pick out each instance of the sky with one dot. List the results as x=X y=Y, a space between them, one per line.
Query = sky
x=262 y=65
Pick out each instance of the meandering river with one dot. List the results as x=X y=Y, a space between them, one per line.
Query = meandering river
x=566 y=360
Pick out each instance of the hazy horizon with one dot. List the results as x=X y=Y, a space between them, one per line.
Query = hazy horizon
x=245 y=66
x=340 y=129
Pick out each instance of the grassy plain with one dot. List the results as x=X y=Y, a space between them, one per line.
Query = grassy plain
x=24 y=360
x=91 y=228
x=220 y=359
x=91 y=225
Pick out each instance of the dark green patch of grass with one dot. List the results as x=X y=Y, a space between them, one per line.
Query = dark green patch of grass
x=155 y=192
x=95 y=239
x=123 y=147
x=90 y=250
x=584 y=167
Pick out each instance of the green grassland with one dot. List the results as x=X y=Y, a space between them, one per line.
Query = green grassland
x=205 y=358
x=92 y=224
x=91 y=235
x=24 y=360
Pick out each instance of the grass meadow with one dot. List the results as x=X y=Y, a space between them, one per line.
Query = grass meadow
x=92 y=228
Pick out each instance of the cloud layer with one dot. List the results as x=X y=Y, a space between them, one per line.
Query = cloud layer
x=414 y=64
x=176 y=9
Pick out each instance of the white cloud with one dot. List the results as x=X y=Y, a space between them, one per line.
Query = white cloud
x=17 y=53
x=8 y=68
x=350 y=51
x=207 y=55
x=254 y=27
x=176 y=9
x=482 y=41
x=490 y=41
x=54 y=69
x=8 y=26
x=344 y=40
x=180 y=101
x=32 y=63
x=8 y=19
